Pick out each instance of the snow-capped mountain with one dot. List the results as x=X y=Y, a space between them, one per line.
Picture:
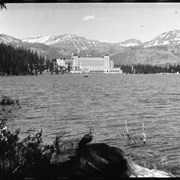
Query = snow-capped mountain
x=130 y=43
x=56 y=39
x=80 y=43
x=166 y=38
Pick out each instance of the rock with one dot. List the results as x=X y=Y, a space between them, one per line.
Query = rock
x=139 y=171
x=100 y=160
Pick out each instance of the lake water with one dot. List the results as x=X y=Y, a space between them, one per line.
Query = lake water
x=72 y=104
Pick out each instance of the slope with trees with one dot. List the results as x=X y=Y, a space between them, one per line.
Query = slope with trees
x=20 y=61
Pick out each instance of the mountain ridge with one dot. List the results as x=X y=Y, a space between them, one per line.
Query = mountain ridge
x=164 y=48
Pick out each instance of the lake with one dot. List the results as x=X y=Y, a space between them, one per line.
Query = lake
x=71 y=104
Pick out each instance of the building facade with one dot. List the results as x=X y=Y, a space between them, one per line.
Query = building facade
x=61 y=62
x=93 y=65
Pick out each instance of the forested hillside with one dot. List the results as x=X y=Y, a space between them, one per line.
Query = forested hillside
x=19 y=61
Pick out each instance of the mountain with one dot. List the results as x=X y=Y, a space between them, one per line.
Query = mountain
x=157 y=55
x=70 y=40
x=58 y=39
x=9 y=40
x=168 y=38
x=67 y=44
x=163 y=49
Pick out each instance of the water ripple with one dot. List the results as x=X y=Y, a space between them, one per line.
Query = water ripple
x=72 y=104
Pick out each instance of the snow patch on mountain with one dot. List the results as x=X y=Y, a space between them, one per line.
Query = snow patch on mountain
x=76 y=47
x=37 y=39
x=130 y=42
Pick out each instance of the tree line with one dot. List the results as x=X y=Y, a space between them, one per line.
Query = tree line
x=20 y=61
x=149 y=69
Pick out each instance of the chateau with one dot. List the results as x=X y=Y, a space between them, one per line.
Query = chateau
x=93 y=65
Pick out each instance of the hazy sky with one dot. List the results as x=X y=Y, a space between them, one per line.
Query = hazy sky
x=110 y=22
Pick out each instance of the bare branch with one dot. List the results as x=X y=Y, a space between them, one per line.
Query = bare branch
x=2 y=5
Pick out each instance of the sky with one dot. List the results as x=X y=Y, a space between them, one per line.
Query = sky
x=106 y=22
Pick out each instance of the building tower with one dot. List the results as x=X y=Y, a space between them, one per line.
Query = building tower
x=75 y=65
x=106 y=63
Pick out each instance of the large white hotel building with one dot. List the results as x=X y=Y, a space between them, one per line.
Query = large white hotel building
x=93 y=65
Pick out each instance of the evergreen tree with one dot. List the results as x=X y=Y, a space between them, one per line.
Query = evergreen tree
x=19 y=61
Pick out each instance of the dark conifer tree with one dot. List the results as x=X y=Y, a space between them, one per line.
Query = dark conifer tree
x=19 y=61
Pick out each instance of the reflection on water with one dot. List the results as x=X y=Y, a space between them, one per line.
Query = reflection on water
x=73 y=104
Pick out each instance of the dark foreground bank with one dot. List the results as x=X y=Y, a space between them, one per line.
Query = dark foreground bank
x=88 y=161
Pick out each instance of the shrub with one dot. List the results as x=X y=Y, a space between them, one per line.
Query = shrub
x=19 y=157
x=6 y=100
